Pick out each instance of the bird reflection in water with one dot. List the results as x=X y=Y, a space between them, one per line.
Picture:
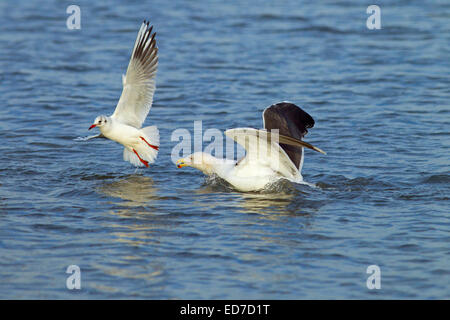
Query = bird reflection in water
x=269 y=205
x=136 y=227
x=137 y=190
x=139 y=194
x=283 y=198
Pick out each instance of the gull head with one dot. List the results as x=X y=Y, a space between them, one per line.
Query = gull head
x=100 y=121
x=198 y=160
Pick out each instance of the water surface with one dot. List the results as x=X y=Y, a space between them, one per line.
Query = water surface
x=380 y=101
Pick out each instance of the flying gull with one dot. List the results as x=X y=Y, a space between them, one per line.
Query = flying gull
x=125 y=124
x=272 y=153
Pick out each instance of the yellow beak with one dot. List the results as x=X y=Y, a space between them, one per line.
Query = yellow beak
x=180 y=163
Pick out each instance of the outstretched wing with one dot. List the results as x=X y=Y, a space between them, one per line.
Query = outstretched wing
x=291 y=121
x=265 y=147
x=139 y=82
x=262 y=148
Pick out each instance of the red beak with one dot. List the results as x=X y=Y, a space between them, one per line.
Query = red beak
x=93 y=126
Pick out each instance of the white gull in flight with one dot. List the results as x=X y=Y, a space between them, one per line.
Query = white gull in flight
x=272 y=153
x=125 y=124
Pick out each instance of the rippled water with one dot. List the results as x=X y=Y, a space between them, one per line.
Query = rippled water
x=380 y=101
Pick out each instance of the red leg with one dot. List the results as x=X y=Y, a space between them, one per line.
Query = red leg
x=150 y=145
x=143 y=161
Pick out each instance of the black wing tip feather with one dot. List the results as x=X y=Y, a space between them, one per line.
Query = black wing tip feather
x=142 y=54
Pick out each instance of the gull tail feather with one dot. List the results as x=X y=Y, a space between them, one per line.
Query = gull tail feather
x=131 y=157
x=151 y=134
x=148 y=153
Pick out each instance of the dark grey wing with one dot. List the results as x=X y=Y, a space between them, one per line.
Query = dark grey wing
x=291 y=121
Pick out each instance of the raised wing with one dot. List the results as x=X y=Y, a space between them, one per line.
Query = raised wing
x=265 y=147
x=291 y=121
x=262 y=147
x=139 y=82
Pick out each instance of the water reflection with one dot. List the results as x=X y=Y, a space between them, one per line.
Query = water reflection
x=137 y=226
x=280 y=199
x=271 y=205
x=138 y=200
x=137 y=190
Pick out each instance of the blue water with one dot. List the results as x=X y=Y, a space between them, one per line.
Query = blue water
x=380 y=99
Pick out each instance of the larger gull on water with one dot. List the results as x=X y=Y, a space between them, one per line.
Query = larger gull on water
x=274 y=153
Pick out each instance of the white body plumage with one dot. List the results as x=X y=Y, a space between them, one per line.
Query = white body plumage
x=125 y=124
x=270 y=156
